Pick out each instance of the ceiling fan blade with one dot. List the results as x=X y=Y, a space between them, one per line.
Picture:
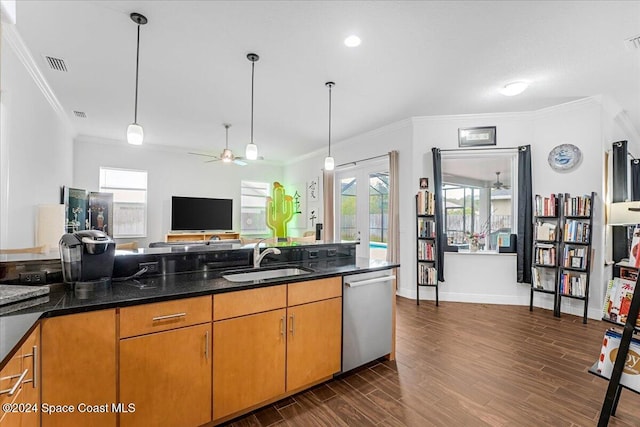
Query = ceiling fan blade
x=213 y=160
x=239 y=161
x=204 y=155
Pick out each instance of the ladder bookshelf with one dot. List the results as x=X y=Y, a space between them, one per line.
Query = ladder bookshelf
x=615 y=387
x=546 y=243
x=426 y=258
x=574 y=263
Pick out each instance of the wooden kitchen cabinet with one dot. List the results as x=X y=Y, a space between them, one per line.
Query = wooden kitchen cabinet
x=313 y=342
x=167 y=376
x=248 y=360
x=79 y=366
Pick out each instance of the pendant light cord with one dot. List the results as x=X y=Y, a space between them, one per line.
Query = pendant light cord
x=253 y=66
x=135 y=111
x=330 y=120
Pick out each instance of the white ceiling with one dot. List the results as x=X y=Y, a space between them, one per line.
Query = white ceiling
x=417 y=58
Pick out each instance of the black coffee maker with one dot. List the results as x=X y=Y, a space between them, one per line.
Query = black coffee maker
x=87 y=258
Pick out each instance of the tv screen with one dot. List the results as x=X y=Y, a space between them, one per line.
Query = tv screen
x=200 y=214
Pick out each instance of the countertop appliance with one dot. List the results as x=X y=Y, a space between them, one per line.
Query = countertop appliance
x=367 y=317
x=87 y=258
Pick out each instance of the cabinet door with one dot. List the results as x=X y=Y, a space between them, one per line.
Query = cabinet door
x=79 y=366
x=313 y=342
x=167 y=376
x=31 y=386
x=248 y=361
x=9 y=377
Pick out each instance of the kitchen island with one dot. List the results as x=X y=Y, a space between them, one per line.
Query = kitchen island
x=216 y=310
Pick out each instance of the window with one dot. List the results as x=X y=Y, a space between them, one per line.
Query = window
x=479 y=195
x=129 y=188
x=253 y=207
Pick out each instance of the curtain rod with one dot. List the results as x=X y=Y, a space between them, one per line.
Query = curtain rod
x=479 y=149
x=363 y=160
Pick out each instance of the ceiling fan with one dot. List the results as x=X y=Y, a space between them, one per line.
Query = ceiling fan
x=498 y=185
x=227 y=155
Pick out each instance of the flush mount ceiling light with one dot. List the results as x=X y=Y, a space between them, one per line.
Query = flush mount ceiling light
x=329 y=163
x=251 y=151
x=352 y=41
x=135 y=133
x=514 y=88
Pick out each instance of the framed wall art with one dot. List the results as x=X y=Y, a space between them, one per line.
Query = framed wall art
x=476 y=136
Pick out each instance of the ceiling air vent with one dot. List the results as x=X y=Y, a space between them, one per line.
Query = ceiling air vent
x=80 y=114
x=633 y=43
x=56 y=64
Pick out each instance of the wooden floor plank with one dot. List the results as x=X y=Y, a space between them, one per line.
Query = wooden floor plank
x=466 y=364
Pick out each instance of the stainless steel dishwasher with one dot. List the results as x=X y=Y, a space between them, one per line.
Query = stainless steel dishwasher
x=366 y=317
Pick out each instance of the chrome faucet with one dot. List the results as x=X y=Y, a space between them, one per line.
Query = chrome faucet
x=258 y=257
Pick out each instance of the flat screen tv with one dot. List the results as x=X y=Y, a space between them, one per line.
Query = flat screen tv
x=200 y=214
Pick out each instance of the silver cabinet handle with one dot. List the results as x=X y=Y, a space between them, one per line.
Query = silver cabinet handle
x=12 y=390
x=356 y=283
x=293 y=319
x=206 y=345
x=169 y=316
x=282 y=325
x=34 y=366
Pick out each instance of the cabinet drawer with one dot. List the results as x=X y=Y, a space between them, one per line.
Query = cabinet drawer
x=314 y=290
x=162 y=316
x=242 y=303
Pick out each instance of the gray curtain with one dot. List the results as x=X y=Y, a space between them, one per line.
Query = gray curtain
x=437 y=189
x=393 y=248
x=635 y=179
x=524 y=241
x=327 y=205
x=619 y=239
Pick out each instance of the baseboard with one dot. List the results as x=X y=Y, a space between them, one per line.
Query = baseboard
x=568 y=306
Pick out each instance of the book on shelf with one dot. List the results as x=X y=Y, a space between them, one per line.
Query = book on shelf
x=617 y=300
x=577 y=231
x=608 y=352
x=545 y=254
x=634 y=253
x=573 y=284
x=545 y=231
x=575 y=257
x=426 y=250
x=543 y=278
x=426 y=202
x=426 y=227
x=427 y=275
x=577 y=206
x=545 y=206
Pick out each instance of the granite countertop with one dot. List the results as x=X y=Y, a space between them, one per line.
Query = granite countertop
x=62 y=300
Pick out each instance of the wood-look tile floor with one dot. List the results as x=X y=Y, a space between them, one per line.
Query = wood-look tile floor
x=467 y=365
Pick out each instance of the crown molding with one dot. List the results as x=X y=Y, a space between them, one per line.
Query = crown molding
x=17 y=44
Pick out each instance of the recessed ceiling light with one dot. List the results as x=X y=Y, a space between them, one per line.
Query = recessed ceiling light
x=514 y=88
x=352 y=41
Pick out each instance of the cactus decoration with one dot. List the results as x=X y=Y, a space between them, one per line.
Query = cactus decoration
x=279 y=210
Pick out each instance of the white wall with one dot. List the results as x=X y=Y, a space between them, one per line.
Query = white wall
x=171 y=172
x=36 y=151
x=397 y=136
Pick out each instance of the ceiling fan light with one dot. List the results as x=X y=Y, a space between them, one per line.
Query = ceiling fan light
x=135 y=134
x=227 y=156
x=251 y=152
x=329 y=163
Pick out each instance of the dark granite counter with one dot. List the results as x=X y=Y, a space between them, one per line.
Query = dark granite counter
x=63 y=300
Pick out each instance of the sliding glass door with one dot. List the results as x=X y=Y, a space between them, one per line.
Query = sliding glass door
x=362 y=207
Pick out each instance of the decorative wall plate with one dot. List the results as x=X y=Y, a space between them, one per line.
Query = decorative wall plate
x=564 y=157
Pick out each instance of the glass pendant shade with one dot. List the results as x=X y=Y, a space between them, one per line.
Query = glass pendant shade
x=329 y=164
x=251 y=153
x=135 y=134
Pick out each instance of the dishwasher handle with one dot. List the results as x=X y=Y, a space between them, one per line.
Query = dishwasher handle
x=356 y=283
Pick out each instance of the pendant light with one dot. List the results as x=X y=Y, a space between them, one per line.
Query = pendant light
x=251 y=152
x=135 y=133
x=329 y=164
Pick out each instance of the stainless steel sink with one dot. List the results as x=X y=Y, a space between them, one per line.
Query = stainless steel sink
x=274 y=273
